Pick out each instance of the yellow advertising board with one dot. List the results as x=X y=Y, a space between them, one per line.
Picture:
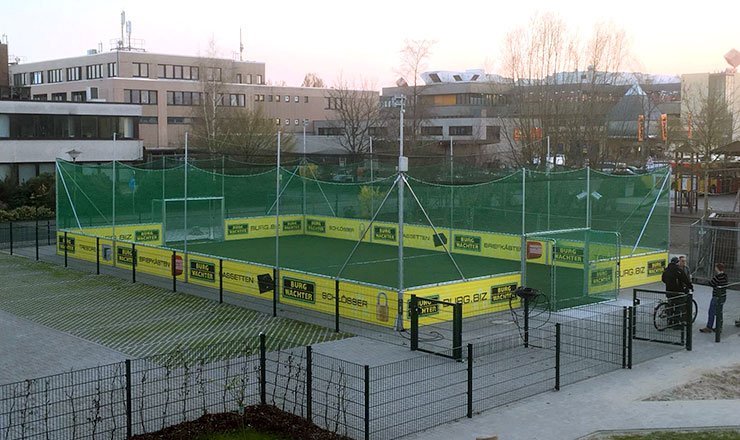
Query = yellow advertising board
x=602 y=277
x=150 y=233
x=261 y=227
x=84 y=247
x=479 y=296
x=372 y=304
x=643 y=269
x=308 y=291
x=247 y=279
x=155 y=261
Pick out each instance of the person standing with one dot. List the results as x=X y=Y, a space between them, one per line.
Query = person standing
x=719 y=295
x=676 y=284
x=685 y=268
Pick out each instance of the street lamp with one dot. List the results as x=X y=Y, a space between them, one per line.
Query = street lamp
x=74 y=154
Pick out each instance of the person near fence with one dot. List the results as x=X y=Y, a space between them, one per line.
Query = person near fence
x=719 y=295
x=677 y=284
x=682 y=264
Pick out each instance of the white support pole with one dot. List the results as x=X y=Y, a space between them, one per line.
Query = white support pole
x=452 y=189
x=66 y=190
x=548 y=182
x=277 y=210
x=587 y=238
x=303 y=171
x=650 y=214
x=185 y=191
x=523 y=267
x=113 y=218
x=399 y=317
x=372 y=179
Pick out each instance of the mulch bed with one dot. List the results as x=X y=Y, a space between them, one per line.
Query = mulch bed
x=265 y=418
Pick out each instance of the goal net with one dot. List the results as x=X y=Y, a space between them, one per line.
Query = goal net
x=202 y=220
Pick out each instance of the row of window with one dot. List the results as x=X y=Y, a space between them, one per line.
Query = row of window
x=62 y=96
x=140 y=96
x=172 y=71
x=24 y=126
x=493 y=132
x=94 y=71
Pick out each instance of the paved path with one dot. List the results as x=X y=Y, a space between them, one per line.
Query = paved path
x=28 y=349
x=615 y=401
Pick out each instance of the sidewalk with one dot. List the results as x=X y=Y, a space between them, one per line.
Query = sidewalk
x=614 y=401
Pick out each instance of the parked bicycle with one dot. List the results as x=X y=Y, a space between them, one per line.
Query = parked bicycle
x=662 y=318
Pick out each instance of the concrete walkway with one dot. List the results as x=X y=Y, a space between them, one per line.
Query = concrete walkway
x=614 y=401
x=28 y=349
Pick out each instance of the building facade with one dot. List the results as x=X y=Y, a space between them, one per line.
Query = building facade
x=169 y=87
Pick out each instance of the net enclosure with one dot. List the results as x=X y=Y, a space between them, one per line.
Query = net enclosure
x=576 y=235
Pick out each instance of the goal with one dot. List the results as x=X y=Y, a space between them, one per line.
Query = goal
x=204 y=221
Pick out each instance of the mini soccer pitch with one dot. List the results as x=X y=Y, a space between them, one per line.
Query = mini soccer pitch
x=371 y=263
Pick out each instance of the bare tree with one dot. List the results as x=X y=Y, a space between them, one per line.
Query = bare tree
x=356 y=110
x=313 y=80
x=414 y=57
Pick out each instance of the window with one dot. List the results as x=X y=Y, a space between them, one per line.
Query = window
x=74 y=73
x=141 y=70
x=213 y=74
x=475 y=77
x=79 y=96
x=287 y=98
x=277 y=121
x=461 y=130
x=37 y=78
x=112 y=70
x=94 y=71
x=331 y=131
x=305 y=99
x=238 y=78
x=194 y=73
x=333 y=103
x=431 y=131
x=297 y=99
x=40 y=97
x=295 y=122
x=54 y=76
x=457 y=77
x=249 y=78
x=178 y=120
x=238 y=100
x=20 y=79
x=493 y=133
x=269 y=98
x=140 y=96
x=182 y=98
x=93 y=93
x=434 y=77
x=259 y=79
x=148 y=120
x=26 y=126
x=170 y=71
x=178 y=72
x=277 y=98
x=287 y=122
x=59 y=96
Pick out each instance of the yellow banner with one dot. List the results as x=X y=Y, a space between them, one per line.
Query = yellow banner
x=248 y=279
x=261 y=227
x=602 y=277
x=366 y=303
x=150 y=233
x=478 y=297
x=155 y=261
x=84 y=247
x=309 y=291
x=635 y=271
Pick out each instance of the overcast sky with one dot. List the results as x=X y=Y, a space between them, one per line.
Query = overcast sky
x=362 y=39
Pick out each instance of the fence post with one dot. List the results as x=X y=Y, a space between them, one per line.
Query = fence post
x=367 y=402
x=624 y=337
x=719 y=321
x=557 y=356
x=133 y=262
x=631 y=336
x=336 y=305
x=37 y=239
x=11 y=238
x=128 y=399
x=263 y=374
x=174 y=271
x=689 y=322
x=470 y=381
x=66 y=245
x=457 y=331
x=309 y=384
x=48 y=232
x=526 y=322
x=220 y=280
x=275 y=291
x=97 y=255
x=413 y=312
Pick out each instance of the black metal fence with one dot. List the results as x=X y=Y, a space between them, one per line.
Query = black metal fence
x=34 y=233
x=662 y=318
x=710 y=245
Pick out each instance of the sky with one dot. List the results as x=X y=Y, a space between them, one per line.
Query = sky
x=361 y=41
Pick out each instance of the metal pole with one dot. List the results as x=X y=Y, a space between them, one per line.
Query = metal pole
x=37 y=239
x=548 y=182
x=336 y=305
x=557 y=356
x=470 y=381
x=452 y=189
x=277 y=212
x=372 y=186
x=367 y=402
x=399 y=317
x=185 y=201
x=523 y=256
x=263 y=373
x=113 y=217
x=97 y=255
x=129 y=431
x=309 y=383
x=303 y=178
x=587 y=238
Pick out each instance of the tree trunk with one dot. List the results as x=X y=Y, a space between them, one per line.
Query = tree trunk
x=706 y=191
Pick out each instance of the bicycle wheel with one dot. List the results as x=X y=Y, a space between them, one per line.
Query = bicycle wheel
x=660 y=316
x=694 y=311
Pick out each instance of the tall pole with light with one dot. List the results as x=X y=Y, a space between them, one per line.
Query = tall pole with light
x=303 y=173
x=403 y=166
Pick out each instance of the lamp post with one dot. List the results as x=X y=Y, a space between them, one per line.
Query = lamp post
x=74 y=154
x=403 y=165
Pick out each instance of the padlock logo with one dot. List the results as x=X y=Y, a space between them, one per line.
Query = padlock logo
x=381 y=307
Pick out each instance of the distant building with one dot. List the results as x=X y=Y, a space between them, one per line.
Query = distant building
x=168 y=87
x=725 y=86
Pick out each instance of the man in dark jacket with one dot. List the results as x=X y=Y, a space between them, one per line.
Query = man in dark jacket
x=676 y=285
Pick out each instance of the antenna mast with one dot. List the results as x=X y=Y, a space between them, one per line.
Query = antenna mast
x=241 y=45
